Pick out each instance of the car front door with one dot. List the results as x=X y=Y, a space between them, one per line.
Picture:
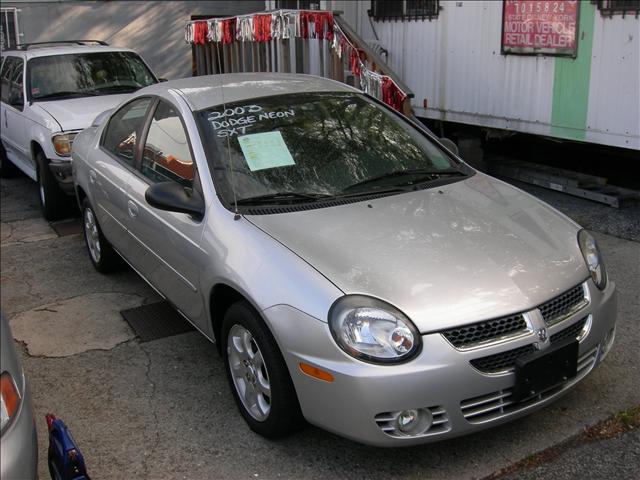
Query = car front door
x=112 y=167
x=171 y=256
x=14 y=135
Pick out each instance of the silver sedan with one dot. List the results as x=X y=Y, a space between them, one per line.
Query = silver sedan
x=351 y=270
x=18 y=438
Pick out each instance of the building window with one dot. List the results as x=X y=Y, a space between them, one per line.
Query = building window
x=9 y=28
x=404 y=10
x=298 y=5
x=619 y=7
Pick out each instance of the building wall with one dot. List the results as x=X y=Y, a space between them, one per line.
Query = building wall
x=454 y=63
x=155 y=29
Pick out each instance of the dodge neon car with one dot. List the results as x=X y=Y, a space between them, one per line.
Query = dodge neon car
x=352 y=271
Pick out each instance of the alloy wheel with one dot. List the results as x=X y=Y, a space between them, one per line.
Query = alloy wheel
x=92 y=235
x=249 y=372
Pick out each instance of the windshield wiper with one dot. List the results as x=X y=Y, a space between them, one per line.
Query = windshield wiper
x=423 y=175
x=117 y=88
x=279 y=197
x=77 y=93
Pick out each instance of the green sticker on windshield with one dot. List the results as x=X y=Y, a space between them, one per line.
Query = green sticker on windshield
x=265 y=150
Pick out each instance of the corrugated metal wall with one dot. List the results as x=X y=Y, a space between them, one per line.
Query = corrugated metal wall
x=454 y=62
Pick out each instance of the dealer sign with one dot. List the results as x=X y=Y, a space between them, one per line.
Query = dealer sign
x=533 y=27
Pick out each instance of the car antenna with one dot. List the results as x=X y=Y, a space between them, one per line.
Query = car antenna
x=236 y=215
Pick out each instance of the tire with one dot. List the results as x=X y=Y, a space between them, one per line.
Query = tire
x=7 y=169
x=102 y=255
x=274 y=414
x=54 y=203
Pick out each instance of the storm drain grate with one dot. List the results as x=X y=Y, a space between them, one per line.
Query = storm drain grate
x=155 y=321
x=67 y=227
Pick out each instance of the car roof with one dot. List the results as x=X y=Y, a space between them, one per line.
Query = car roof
x=47 y=51
x=210 y=90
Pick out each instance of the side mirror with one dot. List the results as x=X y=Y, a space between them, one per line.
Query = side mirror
x=450 y=145
x=173 y=197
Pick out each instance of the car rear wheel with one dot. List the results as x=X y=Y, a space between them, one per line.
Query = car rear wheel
x=104 y=258
x=53 y=202
x=258 y=375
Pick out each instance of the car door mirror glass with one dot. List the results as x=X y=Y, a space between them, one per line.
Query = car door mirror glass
x=173 y=197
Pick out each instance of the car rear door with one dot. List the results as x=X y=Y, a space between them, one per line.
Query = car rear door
x=171 y=257
x=112 y=167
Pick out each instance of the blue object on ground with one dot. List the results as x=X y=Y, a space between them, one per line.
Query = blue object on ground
x=65 y=459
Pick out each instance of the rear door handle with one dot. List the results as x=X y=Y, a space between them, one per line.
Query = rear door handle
x=92 y=176
x=132 y=208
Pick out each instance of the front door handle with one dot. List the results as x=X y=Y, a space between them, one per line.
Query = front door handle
x=92 y=176
x=6 y=122
x=132 y=208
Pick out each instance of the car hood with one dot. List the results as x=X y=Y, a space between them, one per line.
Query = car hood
x=79 y=113
x=445 y=256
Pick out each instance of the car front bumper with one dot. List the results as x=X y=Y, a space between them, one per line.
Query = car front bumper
x=63 y=174
x=19 y=443
x=362 y=401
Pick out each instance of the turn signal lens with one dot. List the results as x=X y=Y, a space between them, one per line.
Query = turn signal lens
x=9 y=398
x=316 y=372
x=62 y=144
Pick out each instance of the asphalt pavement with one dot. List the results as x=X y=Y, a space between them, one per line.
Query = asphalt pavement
x=162 y=409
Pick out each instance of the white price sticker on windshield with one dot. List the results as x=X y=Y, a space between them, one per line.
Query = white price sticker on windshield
x=265 y=150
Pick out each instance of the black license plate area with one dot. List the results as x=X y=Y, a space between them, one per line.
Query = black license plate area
x=545 y=369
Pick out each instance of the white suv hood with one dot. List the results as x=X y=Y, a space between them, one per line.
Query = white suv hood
x=79 y=113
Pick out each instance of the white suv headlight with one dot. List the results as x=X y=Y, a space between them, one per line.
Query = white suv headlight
x=372 y=330
x=62 y=143
x=593 y=258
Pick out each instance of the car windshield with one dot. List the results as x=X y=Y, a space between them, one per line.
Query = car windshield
x=86 y=74
x=305 y=147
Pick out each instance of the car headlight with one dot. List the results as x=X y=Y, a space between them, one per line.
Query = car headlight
x=62 y=143
x=372 y=330
x=9 y=399
x=593 y=258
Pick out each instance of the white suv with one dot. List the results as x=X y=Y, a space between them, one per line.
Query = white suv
x=50 y=92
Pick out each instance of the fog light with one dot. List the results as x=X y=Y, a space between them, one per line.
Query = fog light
x=414 y=422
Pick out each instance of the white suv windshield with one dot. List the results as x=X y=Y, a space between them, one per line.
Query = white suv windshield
x=86 y=74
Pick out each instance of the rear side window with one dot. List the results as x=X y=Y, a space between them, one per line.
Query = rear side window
x=124 y=129
x=166 y=155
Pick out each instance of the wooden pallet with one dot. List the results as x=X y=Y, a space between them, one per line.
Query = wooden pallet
x=573 y=183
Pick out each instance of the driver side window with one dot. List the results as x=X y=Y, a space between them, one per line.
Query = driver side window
x=167 y=156
x=122 y=133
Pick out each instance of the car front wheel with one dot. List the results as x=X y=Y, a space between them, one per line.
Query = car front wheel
x=53 y=202
x=104 y=258
x=258 y=375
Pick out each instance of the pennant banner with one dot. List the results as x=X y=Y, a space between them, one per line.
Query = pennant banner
x=285 y=24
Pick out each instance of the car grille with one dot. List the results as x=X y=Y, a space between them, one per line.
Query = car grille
x=555 y=309
x=502 y=361
x=485 y=331
x=572 y=331
x=505 y=361
x=386 y=421
x=495 y=405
